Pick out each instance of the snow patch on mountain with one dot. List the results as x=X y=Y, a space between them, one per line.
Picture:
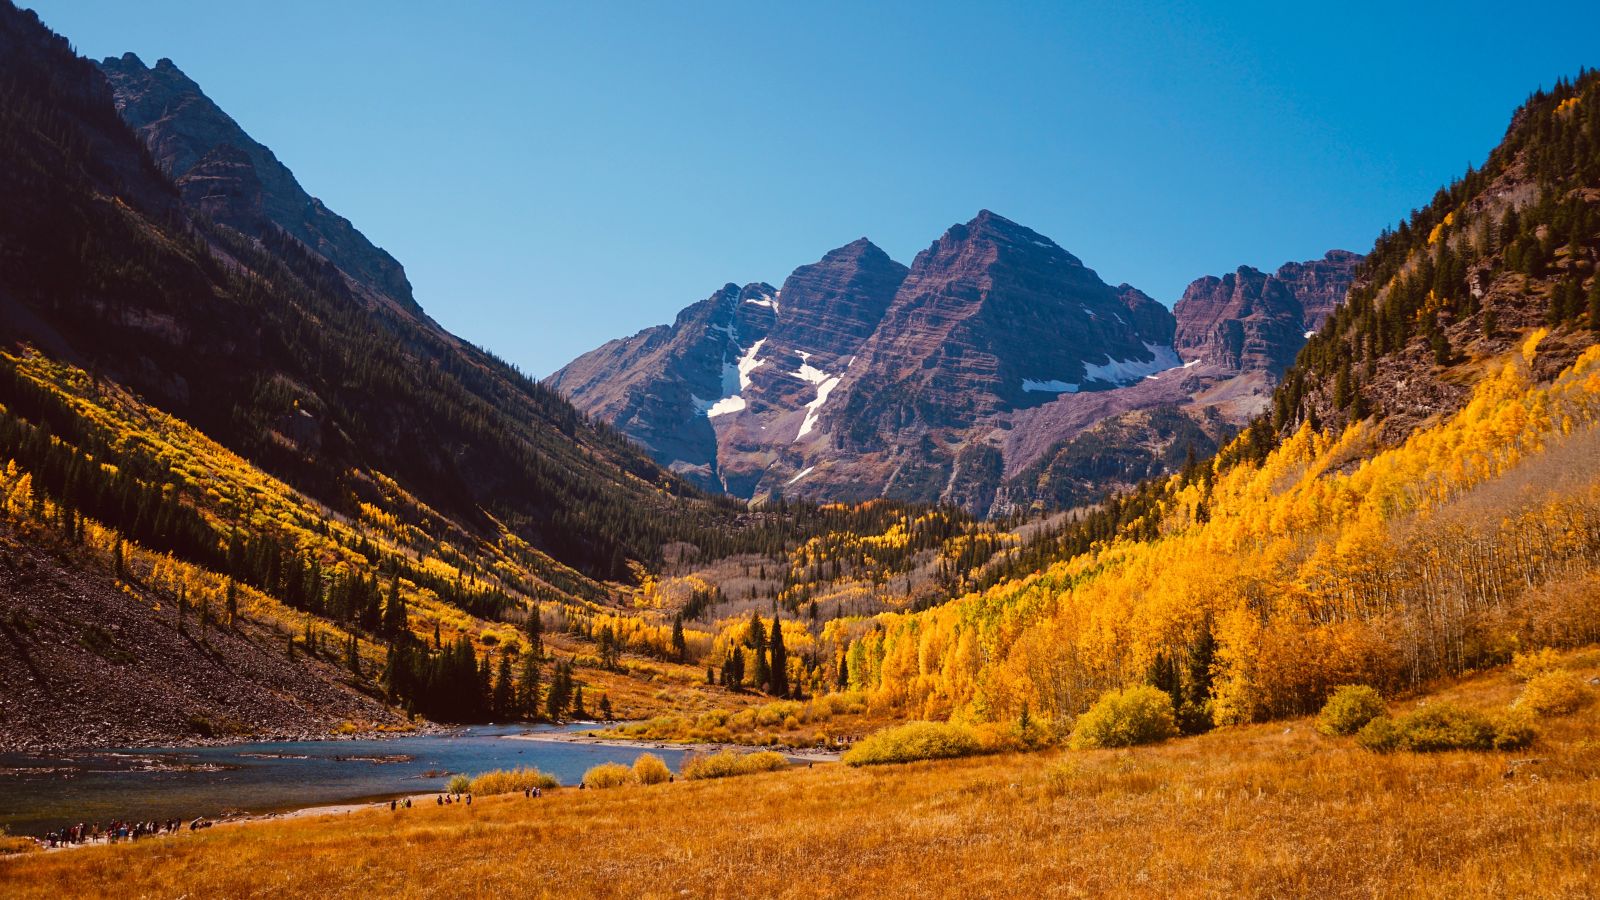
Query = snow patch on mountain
x=814 y=408
x=735 y=378
x=1114 y=371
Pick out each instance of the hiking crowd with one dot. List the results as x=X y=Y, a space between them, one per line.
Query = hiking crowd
x=116 y=831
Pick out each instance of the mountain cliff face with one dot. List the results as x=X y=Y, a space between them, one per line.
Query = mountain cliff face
x=964 y=379
x=663 y=385
x=992 y=318
x=997 y=373
x=719 y=394
x=224 y=174
x=1248 y=320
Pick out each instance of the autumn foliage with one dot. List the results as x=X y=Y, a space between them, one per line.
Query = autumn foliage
x=1332 y=562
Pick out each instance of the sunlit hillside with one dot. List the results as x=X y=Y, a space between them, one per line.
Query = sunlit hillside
x=1261 y=810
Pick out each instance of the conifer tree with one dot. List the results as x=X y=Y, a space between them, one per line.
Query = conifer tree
x=534 y=630
x=680 y=646
x=529 y=686
x=394 y=608
x=1442 y=354
x=504 y=700
x=757 y=641
x=231 y=593
x=780 y=660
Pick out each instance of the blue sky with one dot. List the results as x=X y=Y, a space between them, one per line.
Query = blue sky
x=555 y=175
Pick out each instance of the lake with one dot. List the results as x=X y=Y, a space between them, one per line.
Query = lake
x=41 y=793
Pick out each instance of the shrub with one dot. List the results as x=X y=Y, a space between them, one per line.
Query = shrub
x=1441 y=726
x=1381 y=735
x=1554 y=692
x=1514 y=730
x=1137 y=715
x=510 y=781
x=607 y=775
x=1445 y=727
x=1535 y=662
x=1349 y=710
x=458 y=784
x=649 y=769
x=728 y=763
x=914 y=741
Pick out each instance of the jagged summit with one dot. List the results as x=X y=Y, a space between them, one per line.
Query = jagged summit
x=237 y=181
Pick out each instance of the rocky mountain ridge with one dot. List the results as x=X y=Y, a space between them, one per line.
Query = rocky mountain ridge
x=950 y=380
x=228 y=176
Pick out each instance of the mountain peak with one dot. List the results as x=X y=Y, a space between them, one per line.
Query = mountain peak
x=992 y=228
x=223 y=172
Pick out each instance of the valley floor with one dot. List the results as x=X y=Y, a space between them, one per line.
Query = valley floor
x=1274 y=810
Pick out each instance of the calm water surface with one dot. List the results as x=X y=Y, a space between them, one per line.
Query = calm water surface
x=41 y=793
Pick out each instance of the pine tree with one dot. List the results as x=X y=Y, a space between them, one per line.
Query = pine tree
x=394 y=608
x=529 y=686
x=353 y=655
x=757 y=641
x=1442 y=354
x=605 y=708
x=231 y=592
x=533 y=628
x=504 y=700
x=780 y=661
x=680 y=647
x=578 y=712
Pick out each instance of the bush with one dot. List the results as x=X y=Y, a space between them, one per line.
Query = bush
x=1445 y=727
x=1349 y=710
x=1529 y=665
x=1514 y=730
x=914 y=741
x=1441 y=726
x=607 y=775
x=728 y=763
x=510 y=781
x=1137 y=715
x=649 y=769
x=458 y=784
x=1381 y=735
x=1554 y=692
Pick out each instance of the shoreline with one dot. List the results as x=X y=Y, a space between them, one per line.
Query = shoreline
x=803 y=754
x=190 y=742
x=305 y=812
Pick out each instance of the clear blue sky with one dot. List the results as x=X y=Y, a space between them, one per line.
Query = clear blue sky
x=554 y=175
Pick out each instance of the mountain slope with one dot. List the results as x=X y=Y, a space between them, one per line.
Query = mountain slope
x=1427 y=502
x=198 y=413
x=721 y=393
x=662 y=385
x=999 y=374
x=267 y=346
x=228 y=176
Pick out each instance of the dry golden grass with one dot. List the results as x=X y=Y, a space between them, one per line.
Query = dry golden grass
x=1270 y=810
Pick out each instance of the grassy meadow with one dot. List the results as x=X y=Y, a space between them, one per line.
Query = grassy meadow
x=1265 y=810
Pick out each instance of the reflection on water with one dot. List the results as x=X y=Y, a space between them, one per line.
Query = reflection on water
x=40 y=793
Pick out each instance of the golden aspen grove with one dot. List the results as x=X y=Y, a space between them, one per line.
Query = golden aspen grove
x=1290 y=589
